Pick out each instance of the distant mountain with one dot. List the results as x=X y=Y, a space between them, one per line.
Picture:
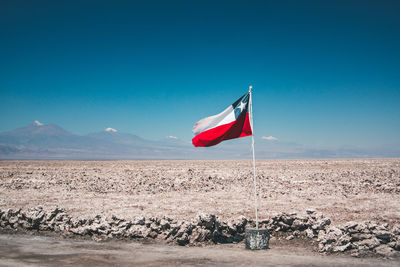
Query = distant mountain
x=50 y=141
x=37 y=135
x=112 y=135
x=172 y=141
x=37 y=129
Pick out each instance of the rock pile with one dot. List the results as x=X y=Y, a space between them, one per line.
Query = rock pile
x=204 y=228
x=361 y=239
x=358 y=238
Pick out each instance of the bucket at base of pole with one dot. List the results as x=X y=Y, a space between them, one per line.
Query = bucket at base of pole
x=256 y=238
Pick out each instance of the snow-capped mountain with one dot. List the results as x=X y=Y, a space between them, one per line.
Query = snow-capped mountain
x=50 y=141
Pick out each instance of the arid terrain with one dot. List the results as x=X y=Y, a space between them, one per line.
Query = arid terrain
x=342 y=189
x=333 y=206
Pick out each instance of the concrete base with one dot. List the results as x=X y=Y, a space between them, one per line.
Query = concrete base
x=256 y=238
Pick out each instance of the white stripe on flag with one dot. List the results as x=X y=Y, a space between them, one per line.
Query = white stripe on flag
x=225 y=117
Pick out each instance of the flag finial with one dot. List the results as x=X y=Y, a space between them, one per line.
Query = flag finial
x=250 y=87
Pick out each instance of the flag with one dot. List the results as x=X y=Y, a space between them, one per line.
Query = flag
x=231 y=123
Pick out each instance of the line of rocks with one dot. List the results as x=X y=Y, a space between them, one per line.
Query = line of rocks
x=359 y=239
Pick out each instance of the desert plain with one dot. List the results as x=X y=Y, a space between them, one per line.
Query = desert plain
x=342 y=189
x=346 y=191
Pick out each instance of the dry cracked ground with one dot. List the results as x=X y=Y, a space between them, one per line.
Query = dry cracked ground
x=341 y=189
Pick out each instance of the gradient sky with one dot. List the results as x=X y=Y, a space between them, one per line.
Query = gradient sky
x=325 y=73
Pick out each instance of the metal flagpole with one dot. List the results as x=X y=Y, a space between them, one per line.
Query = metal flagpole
x=254 y=158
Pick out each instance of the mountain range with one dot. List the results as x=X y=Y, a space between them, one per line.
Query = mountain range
x=50 y=141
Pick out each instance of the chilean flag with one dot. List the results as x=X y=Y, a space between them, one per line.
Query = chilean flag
x=231 y=123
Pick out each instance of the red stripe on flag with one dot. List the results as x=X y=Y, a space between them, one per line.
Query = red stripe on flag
x=239 y=128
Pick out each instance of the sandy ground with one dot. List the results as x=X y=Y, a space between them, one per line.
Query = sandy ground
x=342 y=189
x=19 y=250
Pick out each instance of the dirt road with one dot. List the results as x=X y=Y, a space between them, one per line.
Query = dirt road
x=18 y=250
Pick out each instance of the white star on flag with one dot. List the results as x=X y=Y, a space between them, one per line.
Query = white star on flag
x=242 y=106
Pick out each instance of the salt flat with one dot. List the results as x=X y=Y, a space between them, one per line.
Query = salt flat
x=342 y=189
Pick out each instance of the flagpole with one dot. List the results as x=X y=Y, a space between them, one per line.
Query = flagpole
x=254 y=158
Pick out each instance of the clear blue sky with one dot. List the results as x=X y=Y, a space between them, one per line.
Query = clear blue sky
x=325 y=73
